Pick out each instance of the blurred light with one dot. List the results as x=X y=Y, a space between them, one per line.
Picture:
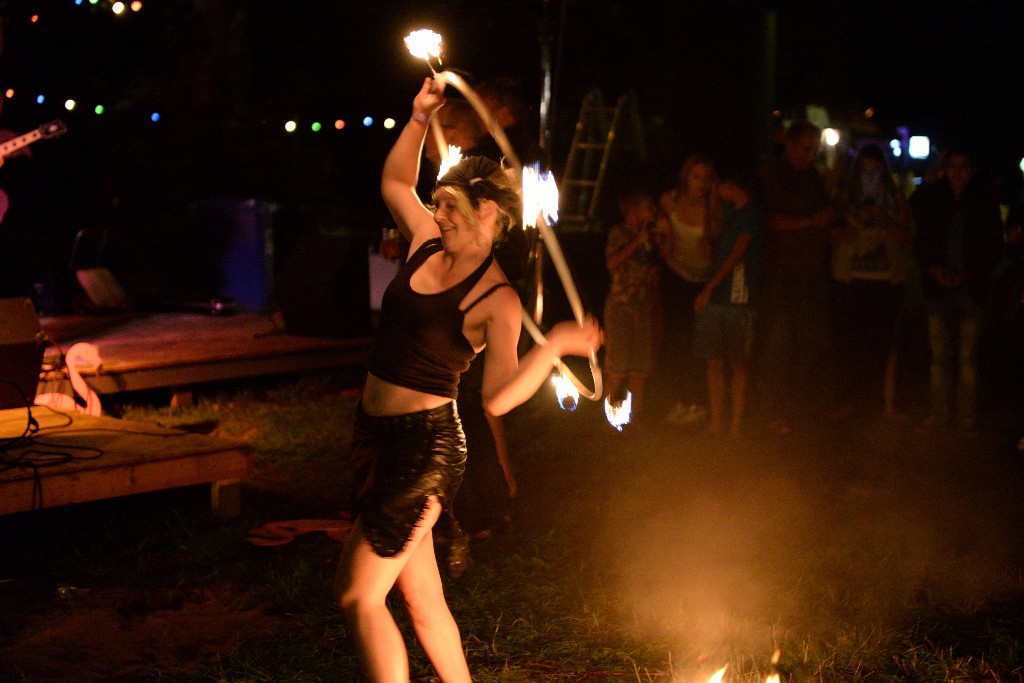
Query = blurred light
x=316 y=127
x=154 y=117
x=869 y=112
x=896 y=147
x=93 y=2
x=69 y=104
x=339 y=124
x=290 y=126
x=136 y=6
x=40 y=99
x=367 y=121
x=920 y=147
x=10 y=93
x=99 y=109
x=78 y=2
x=389 y=123
x=35 y=18
x=117 y=7
x=830 y=136
x=1021 y=165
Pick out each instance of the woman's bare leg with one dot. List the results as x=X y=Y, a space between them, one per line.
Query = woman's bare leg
x=363 y=582
x=420 y=583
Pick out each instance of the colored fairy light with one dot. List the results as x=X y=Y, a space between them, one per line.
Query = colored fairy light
x=99 y=109
x=40 y=99
x=896 y=147
x=9 y=93
x=93 y=2
x=154 y=117
x=339 y=124
x=367 y=121
x=831 y=136
x=316 y=126
x=117 y=8
x=389 y=123
x=136 y=6
x=69 y=104
x=35 y=18
x=290 y=126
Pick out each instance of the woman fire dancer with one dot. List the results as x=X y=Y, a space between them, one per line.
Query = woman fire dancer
x=449 y=302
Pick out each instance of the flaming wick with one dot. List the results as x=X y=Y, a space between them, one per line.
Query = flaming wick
x=425 y=44
x=619 y=414
x=568 y=397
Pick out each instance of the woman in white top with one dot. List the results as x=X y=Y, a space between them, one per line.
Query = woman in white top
x=689 y=221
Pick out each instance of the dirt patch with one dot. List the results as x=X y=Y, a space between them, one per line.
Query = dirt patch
x=121 y=634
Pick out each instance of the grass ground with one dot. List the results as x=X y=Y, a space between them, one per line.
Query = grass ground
x=862 y=551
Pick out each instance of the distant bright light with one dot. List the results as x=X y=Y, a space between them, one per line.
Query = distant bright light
x=339 y=124
x=896 y=147
x=368 y=121
x=99 y=109
x=78 y=2
x=869 y=112
x=117 y=7
x=831 y=136
x=69 y=104
x=136 y=6
x=154 y=117
x=40 y=99
x=35 y=18
x=1021 y=166
x=920 y=147
x=93 y=2
x=316 y=127
x=10 y=93
x=389 y=123
x=290 y=126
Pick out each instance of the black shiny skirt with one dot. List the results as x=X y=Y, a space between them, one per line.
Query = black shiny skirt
x=399 y=462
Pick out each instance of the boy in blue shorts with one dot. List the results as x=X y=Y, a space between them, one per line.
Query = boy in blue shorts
x=724 y=329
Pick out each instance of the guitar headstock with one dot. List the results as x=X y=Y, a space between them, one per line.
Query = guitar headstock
x=52 y=129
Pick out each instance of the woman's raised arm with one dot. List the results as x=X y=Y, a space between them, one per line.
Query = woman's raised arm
x=402 y=165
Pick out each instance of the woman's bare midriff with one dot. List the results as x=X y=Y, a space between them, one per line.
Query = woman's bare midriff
x=382 y=398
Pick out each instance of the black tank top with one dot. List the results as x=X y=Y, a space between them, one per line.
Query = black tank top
x=420 y=344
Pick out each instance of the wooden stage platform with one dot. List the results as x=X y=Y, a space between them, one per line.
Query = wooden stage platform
x=181 y=350
x=73 y=458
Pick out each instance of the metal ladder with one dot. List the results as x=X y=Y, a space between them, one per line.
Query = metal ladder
x=596 y=140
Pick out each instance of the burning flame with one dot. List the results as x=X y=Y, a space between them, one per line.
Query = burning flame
x=540 y=196
x=568 y=396
x=718 y=675
x=453 y=157
x=424 y=44
x=618 y=414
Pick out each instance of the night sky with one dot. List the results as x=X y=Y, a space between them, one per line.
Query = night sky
x=226 y=75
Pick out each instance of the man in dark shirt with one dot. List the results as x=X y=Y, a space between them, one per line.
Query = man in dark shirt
x=795 y=286
x=959 y=242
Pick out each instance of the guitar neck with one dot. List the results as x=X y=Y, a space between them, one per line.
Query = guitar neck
x=14 y=144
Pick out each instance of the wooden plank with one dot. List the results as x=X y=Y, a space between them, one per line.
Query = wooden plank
x=111 y=458
x=180 y=350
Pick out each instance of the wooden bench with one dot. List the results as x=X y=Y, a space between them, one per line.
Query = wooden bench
x=94 y=458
